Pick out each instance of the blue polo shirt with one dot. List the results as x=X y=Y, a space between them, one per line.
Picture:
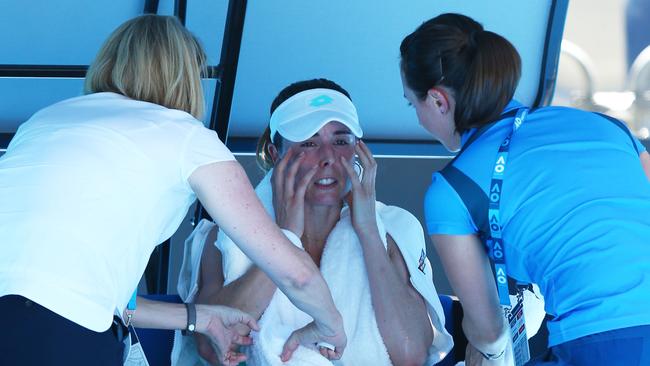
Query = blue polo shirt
x=575 y=211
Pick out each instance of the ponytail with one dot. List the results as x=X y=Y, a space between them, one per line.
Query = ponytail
x=480 y=68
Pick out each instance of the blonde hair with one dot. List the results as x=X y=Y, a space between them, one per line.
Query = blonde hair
x=263 y=153
x=151 y=58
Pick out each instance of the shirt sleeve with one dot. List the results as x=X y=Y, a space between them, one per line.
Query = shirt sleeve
x=444 y=211
x=202 y=147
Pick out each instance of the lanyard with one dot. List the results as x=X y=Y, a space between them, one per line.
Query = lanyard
x=514 y=313
x=130 y=307
x=495 y=241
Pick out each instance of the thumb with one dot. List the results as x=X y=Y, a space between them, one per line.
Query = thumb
x=289 y=347
x=235 y=317
x=249 y=321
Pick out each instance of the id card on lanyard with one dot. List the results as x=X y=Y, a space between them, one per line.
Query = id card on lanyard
x=514 y=313
x=134 y=354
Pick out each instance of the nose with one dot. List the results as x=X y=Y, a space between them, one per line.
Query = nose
x=327 y=156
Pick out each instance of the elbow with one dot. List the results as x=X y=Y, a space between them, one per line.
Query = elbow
x=410 y=354
x=304 y=274
x=416 y=359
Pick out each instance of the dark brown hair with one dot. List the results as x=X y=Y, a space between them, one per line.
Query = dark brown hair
x=264 y=160
x=481 y=68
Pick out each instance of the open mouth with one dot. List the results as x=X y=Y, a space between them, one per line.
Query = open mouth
x=325 y=182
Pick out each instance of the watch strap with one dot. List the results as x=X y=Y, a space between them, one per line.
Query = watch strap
x=191 y=319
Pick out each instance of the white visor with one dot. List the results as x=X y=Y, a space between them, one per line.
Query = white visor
x=301 y=116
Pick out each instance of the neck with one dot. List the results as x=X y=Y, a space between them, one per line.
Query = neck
x=454 y=142
x=319 y=223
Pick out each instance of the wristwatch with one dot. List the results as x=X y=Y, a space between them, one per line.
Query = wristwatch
x=191 y=319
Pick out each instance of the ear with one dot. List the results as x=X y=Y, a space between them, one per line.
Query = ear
x=275 y=154
x=438 y=99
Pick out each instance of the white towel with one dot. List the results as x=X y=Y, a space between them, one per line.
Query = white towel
x=344 y=270
x=393 y=218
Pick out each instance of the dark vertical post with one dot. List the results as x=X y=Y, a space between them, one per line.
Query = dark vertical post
x=180 y=10
x=222 y=103
x=150 y=7
x=232 y=37
x=551 y=56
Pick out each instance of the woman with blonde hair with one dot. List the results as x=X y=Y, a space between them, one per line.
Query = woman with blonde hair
x=92 y=184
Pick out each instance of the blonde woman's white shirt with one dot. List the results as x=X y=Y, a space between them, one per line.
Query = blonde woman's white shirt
x=88 y=187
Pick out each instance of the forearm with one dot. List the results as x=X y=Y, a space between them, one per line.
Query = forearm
x=251 y=293
x=159 y=315
x=313 y=297
x=468 y=270
x=407 y=335
x=295 y=274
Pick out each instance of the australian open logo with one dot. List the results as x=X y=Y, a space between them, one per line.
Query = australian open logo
x=495 y=227
x=495 y=191
x=500 y=165
x=422 y=263
x=501 y=276
x=321 y=100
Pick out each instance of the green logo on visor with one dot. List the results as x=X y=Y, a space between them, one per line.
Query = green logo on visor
x=320 y=101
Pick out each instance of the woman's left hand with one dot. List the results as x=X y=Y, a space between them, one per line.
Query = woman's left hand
x=362 y=197
x=219 y=324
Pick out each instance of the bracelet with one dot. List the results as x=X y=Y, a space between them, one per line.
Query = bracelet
x=191 y=319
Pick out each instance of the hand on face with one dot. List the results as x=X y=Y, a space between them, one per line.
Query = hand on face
x=363 y=196
x=289 y=197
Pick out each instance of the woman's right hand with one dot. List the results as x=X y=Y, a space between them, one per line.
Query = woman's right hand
x=311 y=335
x=219 y=324
x=289 y=196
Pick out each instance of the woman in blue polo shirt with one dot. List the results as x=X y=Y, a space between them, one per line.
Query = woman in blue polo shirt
x=559 y=195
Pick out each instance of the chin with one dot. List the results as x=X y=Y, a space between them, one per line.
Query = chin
x=322 y=201
x=329 y=199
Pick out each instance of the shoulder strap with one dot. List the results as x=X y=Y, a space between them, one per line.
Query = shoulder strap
x=469 y=192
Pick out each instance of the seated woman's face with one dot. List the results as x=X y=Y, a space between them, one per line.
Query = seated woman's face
x=325 y=149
